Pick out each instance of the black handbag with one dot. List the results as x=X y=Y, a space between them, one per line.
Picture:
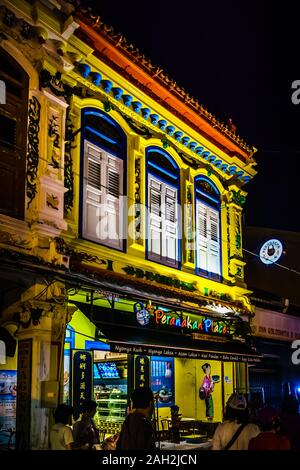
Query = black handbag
x=202 y=393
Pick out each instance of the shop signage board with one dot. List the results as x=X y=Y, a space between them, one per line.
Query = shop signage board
x=82 y=377
x=274 y=325
x=23 y=394
x=125 y=348
x=145 y=313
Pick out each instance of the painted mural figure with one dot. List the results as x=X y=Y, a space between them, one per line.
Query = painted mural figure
x=208 y=387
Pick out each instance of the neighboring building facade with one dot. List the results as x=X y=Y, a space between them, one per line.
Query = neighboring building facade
x=121 y=210
x=276 y=324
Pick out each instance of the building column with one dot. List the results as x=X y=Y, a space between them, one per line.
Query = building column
x=241 y=377
x=40 y=360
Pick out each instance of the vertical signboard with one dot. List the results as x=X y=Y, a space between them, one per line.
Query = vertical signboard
x=141 y=371
x=82 y=378
x=23 y=394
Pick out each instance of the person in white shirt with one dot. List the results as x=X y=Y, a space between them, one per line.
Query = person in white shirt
x=61 y=435
x=235 y=432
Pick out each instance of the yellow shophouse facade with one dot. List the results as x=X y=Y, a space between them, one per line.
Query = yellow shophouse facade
x=121 y=228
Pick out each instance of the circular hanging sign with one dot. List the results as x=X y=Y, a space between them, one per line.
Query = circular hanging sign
x=271 y=251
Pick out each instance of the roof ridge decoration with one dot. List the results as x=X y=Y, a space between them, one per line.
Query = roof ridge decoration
x=86 y=14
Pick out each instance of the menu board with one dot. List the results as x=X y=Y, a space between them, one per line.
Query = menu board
x=162 y=380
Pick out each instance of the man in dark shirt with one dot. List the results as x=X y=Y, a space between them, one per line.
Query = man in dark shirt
x=137 y=431
x=270 y=437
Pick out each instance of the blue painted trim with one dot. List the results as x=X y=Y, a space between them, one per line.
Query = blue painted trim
x=162 y=170
x=217 y=201
x=165 y=154
x=97 y=112
x=102 y=135
x=204 y=178
x=71 y=339
x=98 y=345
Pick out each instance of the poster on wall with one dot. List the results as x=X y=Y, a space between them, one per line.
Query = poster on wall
x=8 y=403
x=66 y=376
x=82 y=378
x=162 y=380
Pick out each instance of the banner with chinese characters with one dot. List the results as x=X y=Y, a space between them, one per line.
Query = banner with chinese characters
x=82 y=378
x=141 y=371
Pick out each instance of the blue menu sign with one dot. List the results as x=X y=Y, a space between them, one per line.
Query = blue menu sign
x=82 y=378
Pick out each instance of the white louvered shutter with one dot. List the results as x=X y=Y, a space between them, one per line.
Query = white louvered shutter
x=214 y=245
x=92 y=189
x=170 y=224
x=202 y=233
x=208 y=238
x=114 y=181
x=103 y=214
x=163 y=221
x=155 y=217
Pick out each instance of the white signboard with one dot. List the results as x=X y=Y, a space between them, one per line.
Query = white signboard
x=271 y=251
x=268 y=324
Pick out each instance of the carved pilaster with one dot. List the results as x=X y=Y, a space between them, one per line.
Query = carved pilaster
x=137 y=200
x=189 y=225
x=236 y=199
x=33 y=148
x=68 y=174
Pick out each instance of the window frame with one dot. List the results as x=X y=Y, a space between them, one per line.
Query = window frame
x=18 y=150
x=121 y=156
x=176 y=186
x=216 y=206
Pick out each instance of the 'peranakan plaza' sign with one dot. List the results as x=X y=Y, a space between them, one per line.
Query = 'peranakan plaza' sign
x=144 y=313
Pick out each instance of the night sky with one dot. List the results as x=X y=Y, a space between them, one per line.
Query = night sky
x=239 y=60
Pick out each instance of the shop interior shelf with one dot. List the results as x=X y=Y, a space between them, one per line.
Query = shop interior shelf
x=115 y=400
x=120 y=411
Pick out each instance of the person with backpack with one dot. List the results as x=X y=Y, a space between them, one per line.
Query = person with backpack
x=235 y=432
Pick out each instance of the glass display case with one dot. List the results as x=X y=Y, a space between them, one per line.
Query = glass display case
x=110 y=391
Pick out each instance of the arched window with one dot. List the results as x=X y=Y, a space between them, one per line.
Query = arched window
x=13 y=136
x=104 y=181
x=208 y=239
x=163 y=196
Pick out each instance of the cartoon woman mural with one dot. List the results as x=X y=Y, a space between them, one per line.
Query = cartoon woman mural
x=207 y=387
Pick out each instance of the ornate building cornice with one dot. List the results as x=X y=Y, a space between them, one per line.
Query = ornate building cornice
x=86 y=16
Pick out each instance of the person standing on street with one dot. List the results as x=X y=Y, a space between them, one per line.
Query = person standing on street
x=236 y=431
x=137 y=432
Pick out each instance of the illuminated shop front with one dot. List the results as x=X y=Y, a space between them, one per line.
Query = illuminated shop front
x=150 y=344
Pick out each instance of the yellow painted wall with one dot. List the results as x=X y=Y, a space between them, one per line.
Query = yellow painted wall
x=11 y=362
x=229 y=382
x=83 y=325
x=188 y=379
